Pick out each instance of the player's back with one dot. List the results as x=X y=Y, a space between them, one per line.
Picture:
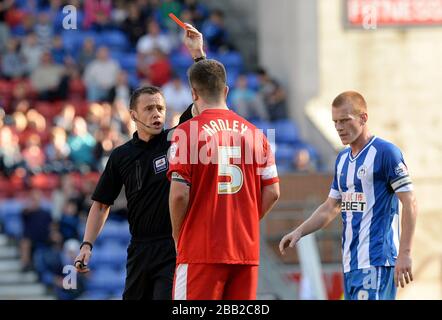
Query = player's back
x=227 y=156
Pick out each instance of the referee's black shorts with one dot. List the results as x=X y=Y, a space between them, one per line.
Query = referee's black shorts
x=150 y=269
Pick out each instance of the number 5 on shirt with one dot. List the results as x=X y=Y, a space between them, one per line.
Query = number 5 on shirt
x=225 y=169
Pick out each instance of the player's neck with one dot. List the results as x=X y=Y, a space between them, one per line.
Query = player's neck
x=212 y=105
x=360 y=142
x=143 y=135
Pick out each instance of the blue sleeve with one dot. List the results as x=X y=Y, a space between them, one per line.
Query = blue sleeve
x=334 y=189
x=395 y=169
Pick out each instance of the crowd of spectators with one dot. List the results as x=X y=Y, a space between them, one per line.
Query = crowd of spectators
x=64 y=103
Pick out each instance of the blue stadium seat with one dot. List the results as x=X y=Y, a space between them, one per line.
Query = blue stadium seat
x=95 y=295
x=114 y=231
x=284 y=153
x=231 y=60
x=13 y=226
x=110 y=254
x=232 y=75
x=134 y=81
x=253 y=81
x=128 y=62
x=114 y=40
x=263 y=125
x=73 y=39
x=105 y=280
x=180 y=62
x=11 y=207
x=117 y=55
x=286 y=131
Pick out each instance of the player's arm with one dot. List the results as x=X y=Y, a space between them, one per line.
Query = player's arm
x=269 y=195
x=408 y=223
x=178 y=203
x=98 y=214
x=322 y=216
x=193 y=40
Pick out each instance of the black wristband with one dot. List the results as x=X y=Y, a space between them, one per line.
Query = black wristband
x=199 y=59
x=88 y=243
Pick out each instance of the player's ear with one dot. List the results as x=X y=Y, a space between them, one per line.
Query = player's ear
x=132 y=114
x=194 y=95
x=226 y=92
x=364 y=118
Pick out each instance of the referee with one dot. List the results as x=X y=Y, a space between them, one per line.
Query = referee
x=140 y=165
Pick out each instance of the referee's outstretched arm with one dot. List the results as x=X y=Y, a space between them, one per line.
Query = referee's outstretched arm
x=95 y=222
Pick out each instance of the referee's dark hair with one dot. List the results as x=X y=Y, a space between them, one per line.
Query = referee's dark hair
x=208 y=79
x=143 y=90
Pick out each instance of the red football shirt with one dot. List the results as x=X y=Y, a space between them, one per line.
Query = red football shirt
x=226 y=160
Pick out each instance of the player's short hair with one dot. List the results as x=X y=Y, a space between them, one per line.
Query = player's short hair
x=353 y=98
x=208 y=79
x=143 y=90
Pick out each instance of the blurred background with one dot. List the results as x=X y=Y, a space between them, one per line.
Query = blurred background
x=67 y=71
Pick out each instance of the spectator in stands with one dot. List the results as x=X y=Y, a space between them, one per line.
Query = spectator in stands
x=198 y=12
x=33 y=154
x=97 y=14
x=10 y=155
x=246 y=102
x=69 y=220
x=94 y=117
x=156 y=69
x=166 y=7
x=121 y=118
x=13 y=62
x=178 y=97
x=100 y=76
x=58 y=51
x=66 y=118
x=57 y=151
x=81 y=143
x=20 y=124
x=77 y=89
x=36 y=228
x=154 y=39
x=106 y=118
x=66 y=191
x=107 y=140
x=4 y=28
x=134 y=25
x=302 y=161
x=274 y=96
x=119 y=13
x=31 y=51
x=36 y=125
x=50 y=262
x=122 y=90
x=215 y=33
x=50 y=79
x=87 y=53
x=44 y=30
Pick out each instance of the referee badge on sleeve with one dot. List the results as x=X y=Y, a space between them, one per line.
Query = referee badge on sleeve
x=160 y=164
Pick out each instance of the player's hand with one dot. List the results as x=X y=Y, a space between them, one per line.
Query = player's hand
x=193 y=40
x=402 y=270
x=82 y=260
x=289 y=240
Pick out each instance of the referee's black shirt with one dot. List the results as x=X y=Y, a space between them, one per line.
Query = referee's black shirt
x=141 y=167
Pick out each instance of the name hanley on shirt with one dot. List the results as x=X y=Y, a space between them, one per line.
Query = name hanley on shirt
x=218 y=125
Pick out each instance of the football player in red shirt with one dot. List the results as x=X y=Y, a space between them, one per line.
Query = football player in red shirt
x=223 y=181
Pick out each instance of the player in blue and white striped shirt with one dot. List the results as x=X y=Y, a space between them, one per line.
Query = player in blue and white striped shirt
x=370 y=179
